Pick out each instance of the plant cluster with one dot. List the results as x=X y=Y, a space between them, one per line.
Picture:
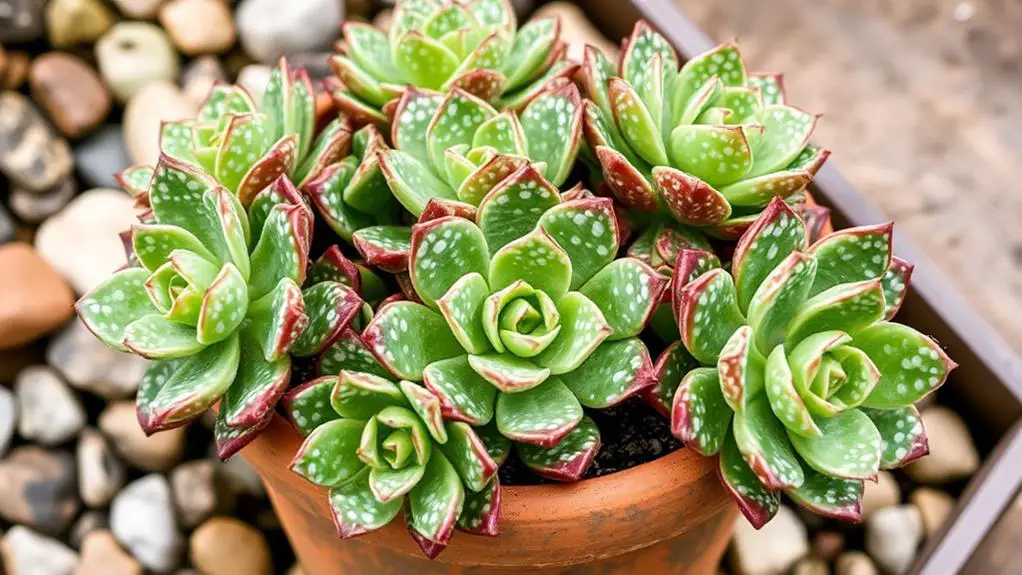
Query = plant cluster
x=477 y=307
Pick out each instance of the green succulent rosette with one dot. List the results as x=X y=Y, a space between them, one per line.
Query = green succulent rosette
x=472 y=45
x=215 y=300
x=707 y=144
x=451 y=151
x=808 y=387
x=525 y=318
x=380 y=446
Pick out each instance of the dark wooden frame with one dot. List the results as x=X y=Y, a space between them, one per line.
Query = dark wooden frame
x=986 y=388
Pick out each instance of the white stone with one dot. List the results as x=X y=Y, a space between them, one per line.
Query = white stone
x=90 y=366
x=884 y=493
x=270 y=28
x=133 y=55
x=952 y=455
x=254 y=78
x=81 y=242
x=50 y=413
x=854 y=563
x=100 y=472
x=154 y=104
x=8 y=418
x=26 y=552
x=771 y=550
x=892 y=536
x=142 y=519
x=193 y=485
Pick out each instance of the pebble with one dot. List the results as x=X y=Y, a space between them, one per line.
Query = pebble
x=15 y=69
x=157 y=102
x=884 y=493
x=254 y=78
x=102 y=155
x=577 y=30
x=269 y=28
x=34 y=207
x=82 y=242
x=100 y=471
x=89 y=365
x=50 y=413
x=773 y=549
x=193 y=485
x=158 y=452
x=32 y=156
x=199 y=26
x=225 y=546
x=140 y=9
x=133 y=55
x=71 y=22
x=142 y=519
x=34 y=299
x=102 y=555
x=952 y=455
x=21 y=21
x=934 y=506
x=892 y=535
x=811 y=566
x=26 y=552
x=7 y=231
x=70 y=91
x=8 y=418
x=88 y=522
x=199 y=76
x=854 y=563
x=240 y=476
x=828 y=544
x=37 y=488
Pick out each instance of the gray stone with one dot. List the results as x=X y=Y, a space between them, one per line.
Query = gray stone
x=50 y=413
x=32 y=155
x=6 y=226
x=269 y=29
x=37 y=488
x=773 y=549
x=8 y=418
x=90 y=366
x=100 y=472
x=34 y=207
x=101 y=156
x=21 y=20
x=240 y=476
x=952 y=455
x=193 y=485
x=26 y=552
x=892 y=536
x=142 y=519
x=133 y=55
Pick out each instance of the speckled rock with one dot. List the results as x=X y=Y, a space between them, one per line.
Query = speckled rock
x=49 y=412
x=158 y=102
x=198 y=26
x=142 y=519
x=34 y=207
x=82 y=242
x=32 y=156
x=269 y=29
x=225 y=546
x=194 y=488
x=70 y=91
x=34 y=298
x=133 y=55
x=89 y=365
x=21 y=21
x=102 y=555
x=158 y=452
x=70 y=22
x=37 y=488
x=25 y=552
x=100 y=472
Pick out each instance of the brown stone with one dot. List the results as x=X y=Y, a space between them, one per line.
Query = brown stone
x=827 y=545
x=70 y=22
x=32 y=156
x=934 y=506
x=34 y=299
x=225 y=546
x=70 y=91
x=199 y=26
x=37 y=488
x=158 y=452
x=15 y=70
x=102 y=555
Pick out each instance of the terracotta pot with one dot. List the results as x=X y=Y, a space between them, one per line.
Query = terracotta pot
x=670 y=516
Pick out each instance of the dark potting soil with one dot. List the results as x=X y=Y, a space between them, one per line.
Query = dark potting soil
x=632 y=434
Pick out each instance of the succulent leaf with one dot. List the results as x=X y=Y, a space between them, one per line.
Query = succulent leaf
x=700 y=416
x=317 y=459
x=569 y=459
x=583 y=329
x=765 y=447
x=535 y=259
x=391 y=336
x=829 y=496
x=513 y=207
x=673 y=364
x=627 y=292
x=331 y=307
x=756 y=502
x=436 y=501
x=464 y=394
x=542 y=415
x=848 y=447
x=850 y=255
x=587 y=231
x=614 y=371
x=902 y=435
x=356 y=509
x=707 y=314
x=112 y=306
x=911 y=365
x=442 y=251
x=480 y=515
x=308 y=405
x=384 y=247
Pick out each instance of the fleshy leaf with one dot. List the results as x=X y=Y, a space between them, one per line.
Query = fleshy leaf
x=356 y=510
x=912 y=365
x=766 y=448
x=256 y=387
x=707 y=314
x=777 y=232
x=153 y=243
x=464 y=395
x=689 y=199
x=468 y=455
x=531 y=48
x=135 y=180
x=895 y=282
x=326 y=190
x=785 y=401
x=406 y=337
x=333 y=266
x=740 y=366
x=615 y=371
x=552 y=123
x=384 y=247
x=481 y=513
x=637 y=126
x=176 y=197
x=851 y=255
x=196 y=385
x=673 y=364
x=455 y=122
x=350 y=353
x=282 y=251
x=587 y=231
x=700 y=416
x=541 y=416
x=478 y=184
x=277 y=319
x=437 y=208
x=426 y=62
x=442 y=251
x=362 y=395
x=462 y=307
x=412 y=183
x=508 y=373
x=327 y=457
x=771 y=86
x=780 y=297
x=308 y=405
x=514 y=207
x=902 y=436
x=331 y=307
x=245 y=140
x=389 y=484
x=223 y=306
x=535 y=259
x=230 y=440
x=849 y=447
x=844 y=307
x=829 y=496
x=583 y=329
x=631 y=187
x=156 y=337
x=756 y=503
x=427 y=407
x=120 y=300
x=626 y=291
x=411 y=119
x=274 y=163
x=435 y=503
x=786 y=132
x=759 y=190
x=718 y=155
x=569 y=459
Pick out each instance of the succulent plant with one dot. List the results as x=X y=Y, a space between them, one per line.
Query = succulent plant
x=525 y=318
x=376 y=444
x=473 y=45
x=456 y=149
x=709 y=144
x=810 y=386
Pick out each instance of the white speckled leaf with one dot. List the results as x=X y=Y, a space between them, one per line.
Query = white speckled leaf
x=277 y=319
x=156 y=337
x=480 y=515
x=615 y=371
x=176 y=197
x=786 y=132
x=308 y=405
x=360 y=396
x=702 y=151
x=673 y=364
x=426 y=63
x=282 y=251
x=583 y=329
x=413 y=115
x=700 y=417
x=901 y=433
x=223 y=306
x=766 y=448
x=246 y=139
x=912 y=365
x=327 y=457
x=636 y=123
x=406 y=337
x=829 y=496
x=587 y=231
x=849 y=447
x=626 y=291
x=385 y=247
x=507 y=372
x=152 y=244
x=777 y=232
x=707 y=313
x=455 y=123
x=350 y=353
x=847 y=307
x=785 y=401
x=257 y=386
x=569 y=459
x=771 y=86
x=513 y=207
x=756 y=503
x=779 y=298
x=895 y=282
x=462 y=307
x=389 y=484
x=411 y=182
x=468 y=455
x=331 y=307
x=111 y=306
x=196 y=385
x=464 y=395
x=643 y=44
x=427 y=407
x=552 y=123
x=532 y=44
x=356 y=510
x=542 y=415
x=535 y=259
x=435 y=503
x=852 y=255
x=442 y=251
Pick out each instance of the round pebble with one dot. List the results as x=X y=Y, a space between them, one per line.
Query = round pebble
x=37 y=488
x=34 y=298
x=32 y=156
x=70 y=91
x=146 y=111
x=89 y=365
x=100 y=472
x=158 y=452
x=50 y=413
x=142 y=519
x=269 y=29
x=71 y=22
x=199 y=26
x=34 y=207
x=225 y=546
x=133 y=55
